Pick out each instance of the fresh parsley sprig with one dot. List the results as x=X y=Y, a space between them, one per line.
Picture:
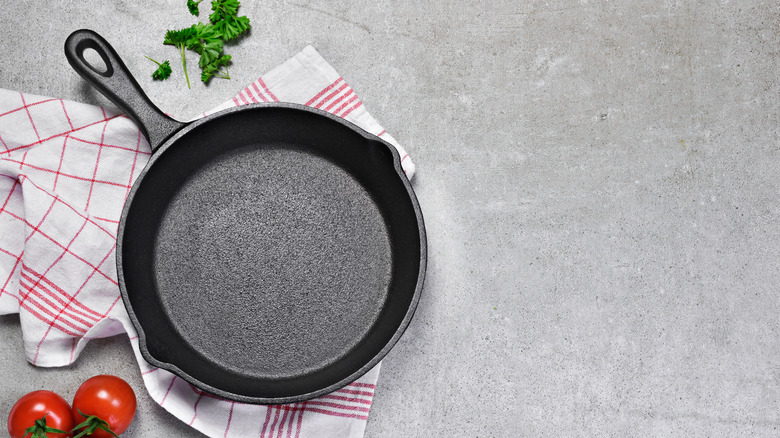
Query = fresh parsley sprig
x=223 y=9
x=179 y=39
x=208 y=39
x=226 y=20
x=163 y=70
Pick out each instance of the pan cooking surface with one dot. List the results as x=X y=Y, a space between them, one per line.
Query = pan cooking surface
x=272 y=262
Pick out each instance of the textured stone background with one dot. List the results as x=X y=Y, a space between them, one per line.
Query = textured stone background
x=600 y=184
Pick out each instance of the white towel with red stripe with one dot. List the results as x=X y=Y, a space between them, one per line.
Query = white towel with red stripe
x=65 y=171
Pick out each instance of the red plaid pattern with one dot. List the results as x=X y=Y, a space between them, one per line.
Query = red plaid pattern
x=65 y=171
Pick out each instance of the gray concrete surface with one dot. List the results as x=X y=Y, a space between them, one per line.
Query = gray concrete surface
x=600 y=182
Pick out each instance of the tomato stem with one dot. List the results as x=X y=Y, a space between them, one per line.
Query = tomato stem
x=91 y=424
x=40 y=429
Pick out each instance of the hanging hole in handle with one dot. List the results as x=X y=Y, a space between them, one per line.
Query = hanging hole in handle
x=95 y=58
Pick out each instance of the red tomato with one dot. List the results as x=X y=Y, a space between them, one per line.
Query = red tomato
x=109 y=398
x=34 y=406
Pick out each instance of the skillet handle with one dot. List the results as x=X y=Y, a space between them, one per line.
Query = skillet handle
x=119 y=86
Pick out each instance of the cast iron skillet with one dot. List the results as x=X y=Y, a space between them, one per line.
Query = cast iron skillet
x=268 y=253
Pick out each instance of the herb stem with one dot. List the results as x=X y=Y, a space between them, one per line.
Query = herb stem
x=224 y=75
x=184 y=64
x=150 y=59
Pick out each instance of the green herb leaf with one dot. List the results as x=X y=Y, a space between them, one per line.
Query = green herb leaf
x=226 y=20
x=176 y=37
x=231 y=27
x=206 y=42
x=193 y=7
x=163 y=72
x=223 y=9
x=163 y=69
x=213 y=69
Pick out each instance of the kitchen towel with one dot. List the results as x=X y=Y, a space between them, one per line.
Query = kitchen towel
x=65 y=171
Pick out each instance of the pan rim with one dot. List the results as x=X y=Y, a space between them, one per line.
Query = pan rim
x=399 y=330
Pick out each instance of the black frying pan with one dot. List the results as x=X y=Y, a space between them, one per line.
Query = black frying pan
x=269 y=253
